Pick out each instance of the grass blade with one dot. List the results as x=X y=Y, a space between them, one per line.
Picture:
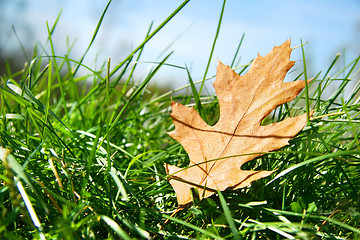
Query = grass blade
x=94 y=36
x=196 y=96
x=206 y=233
x=138 y=90
x=213 y=46
x=114 y=226
x=313 y=160
x=228 y=216
x=237 y=50
x=150 y=36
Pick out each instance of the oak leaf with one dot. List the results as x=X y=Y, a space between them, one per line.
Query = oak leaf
x=217 y=152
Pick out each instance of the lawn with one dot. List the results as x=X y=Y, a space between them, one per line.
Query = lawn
x=83 y=155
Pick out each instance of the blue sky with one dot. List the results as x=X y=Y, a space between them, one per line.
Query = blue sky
x=328 y=26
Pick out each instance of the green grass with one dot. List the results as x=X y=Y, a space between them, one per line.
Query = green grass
x=87 y=153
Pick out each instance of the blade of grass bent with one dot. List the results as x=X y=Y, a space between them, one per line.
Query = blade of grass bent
x=351 y=228
x=29 y=97
x=21 y=45
x=313 y=160
x=195 y=83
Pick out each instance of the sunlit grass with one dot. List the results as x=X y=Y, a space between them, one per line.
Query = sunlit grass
x=83 y=157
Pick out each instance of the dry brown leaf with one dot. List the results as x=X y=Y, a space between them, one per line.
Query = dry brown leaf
x=217 y=152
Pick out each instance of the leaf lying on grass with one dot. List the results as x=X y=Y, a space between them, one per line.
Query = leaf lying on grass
x=218 y=152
